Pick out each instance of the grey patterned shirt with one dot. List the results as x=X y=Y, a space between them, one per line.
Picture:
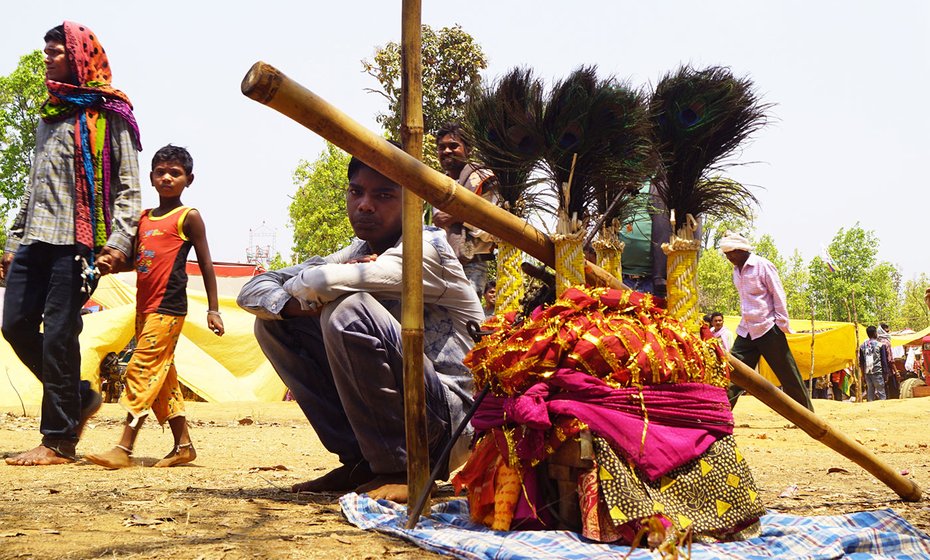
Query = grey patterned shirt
x=449 y=300
x=47 y=211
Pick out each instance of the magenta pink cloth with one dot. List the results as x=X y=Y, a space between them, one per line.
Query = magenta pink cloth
x=684 y=419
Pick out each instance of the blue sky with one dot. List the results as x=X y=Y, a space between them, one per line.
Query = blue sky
x=846 y=144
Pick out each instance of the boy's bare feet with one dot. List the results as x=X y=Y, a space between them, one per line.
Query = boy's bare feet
x=341 y=479
x=115 y=458
x=40 y=455
x=179 y=455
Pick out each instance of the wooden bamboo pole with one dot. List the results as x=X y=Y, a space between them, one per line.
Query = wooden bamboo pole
x=861 y=377
x=810 y=388
x=818 y=429
x=268 y=86
x=271 y=87
x=411 y=134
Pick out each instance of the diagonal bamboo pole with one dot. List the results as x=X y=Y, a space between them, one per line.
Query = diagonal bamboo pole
x=411 y=134
x=818 y=429
x=270 y=87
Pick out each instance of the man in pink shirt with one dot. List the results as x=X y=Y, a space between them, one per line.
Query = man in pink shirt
x=761 y=332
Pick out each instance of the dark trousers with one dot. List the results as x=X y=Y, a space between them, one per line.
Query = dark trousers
x=345 y=371
x=43 y=289
x=773 y=346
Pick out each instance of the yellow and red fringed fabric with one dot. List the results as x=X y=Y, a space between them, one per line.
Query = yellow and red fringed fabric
x=614 y=363
x=619 y=336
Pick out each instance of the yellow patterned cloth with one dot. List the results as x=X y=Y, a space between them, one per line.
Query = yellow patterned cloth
x=682 y=287
x=151 y=379
x=569 y=261
x=713 y=496
x=509 y=278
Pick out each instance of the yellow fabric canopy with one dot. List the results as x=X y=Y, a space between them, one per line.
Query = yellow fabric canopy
x=912 y=339
x=834 y=346
x=219 y=369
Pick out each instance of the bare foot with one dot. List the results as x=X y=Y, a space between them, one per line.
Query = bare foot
x=179 y=455
x=115 y=458
x=40 y=455
x=341 y=479
x=386 y=487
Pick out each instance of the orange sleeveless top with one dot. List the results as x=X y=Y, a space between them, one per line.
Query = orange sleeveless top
x=161 y=258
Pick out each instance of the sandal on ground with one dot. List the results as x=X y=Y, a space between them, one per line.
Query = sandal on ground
x=176 y=458
x=120 y=457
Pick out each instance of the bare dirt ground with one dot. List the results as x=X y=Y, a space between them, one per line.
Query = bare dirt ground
x=230 y=503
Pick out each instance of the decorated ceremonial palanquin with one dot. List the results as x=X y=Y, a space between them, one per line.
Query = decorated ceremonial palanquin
x=608 y=417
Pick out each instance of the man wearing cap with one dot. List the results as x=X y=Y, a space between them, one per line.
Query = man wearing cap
x=761 y=331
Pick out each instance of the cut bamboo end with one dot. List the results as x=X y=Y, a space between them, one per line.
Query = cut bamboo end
x=261 y=83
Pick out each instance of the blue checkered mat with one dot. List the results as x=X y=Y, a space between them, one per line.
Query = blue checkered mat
x=864 y=535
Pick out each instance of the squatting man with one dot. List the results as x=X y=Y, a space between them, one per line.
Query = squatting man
x=329 y=327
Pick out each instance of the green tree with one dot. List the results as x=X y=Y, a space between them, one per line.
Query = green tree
x=860 y=287
x=452 y=65
x=883 y=286
x=913 y=312
x=278 y=262
x=21 y=94
x=796 y=280
x=713 y=229
x=765 y=247
x=716 y=291
x=318 y=208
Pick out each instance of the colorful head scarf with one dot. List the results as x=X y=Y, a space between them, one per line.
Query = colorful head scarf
x=89 y=101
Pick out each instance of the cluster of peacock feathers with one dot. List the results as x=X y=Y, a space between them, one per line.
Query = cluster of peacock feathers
x=605 y=139
x=700 y=118
x=588 y=132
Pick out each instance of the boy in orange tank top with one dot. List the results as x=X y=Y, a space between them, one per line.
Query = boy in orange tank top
x=166 y=235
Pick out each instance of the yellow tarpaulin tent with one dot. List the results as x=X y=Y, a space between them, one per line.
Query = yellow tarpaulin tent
x=219 y=369
x=834 y=346
x=912 y=339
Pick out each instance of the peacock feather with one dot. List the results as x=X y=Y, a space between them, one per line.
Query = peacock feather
x=503 y=125
x=597 y=132
x=699 y=119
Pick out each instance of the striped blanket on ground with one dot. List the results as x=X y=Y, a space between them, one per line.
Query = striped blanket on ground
x=864 y=535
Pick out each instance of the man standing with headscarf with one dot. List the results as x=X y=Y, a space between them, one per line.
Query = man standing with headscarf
x=761 y=332
x=81 y=208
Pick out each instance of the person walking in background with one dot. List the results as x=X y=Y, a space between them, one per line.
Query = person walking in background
x=892 y=376
x=764 y=322
x=166 y=235
x=873 y=362
x=82 y=201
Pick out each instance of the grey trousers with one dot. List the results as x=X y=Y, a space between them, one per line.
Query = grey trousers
x=345 y=371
